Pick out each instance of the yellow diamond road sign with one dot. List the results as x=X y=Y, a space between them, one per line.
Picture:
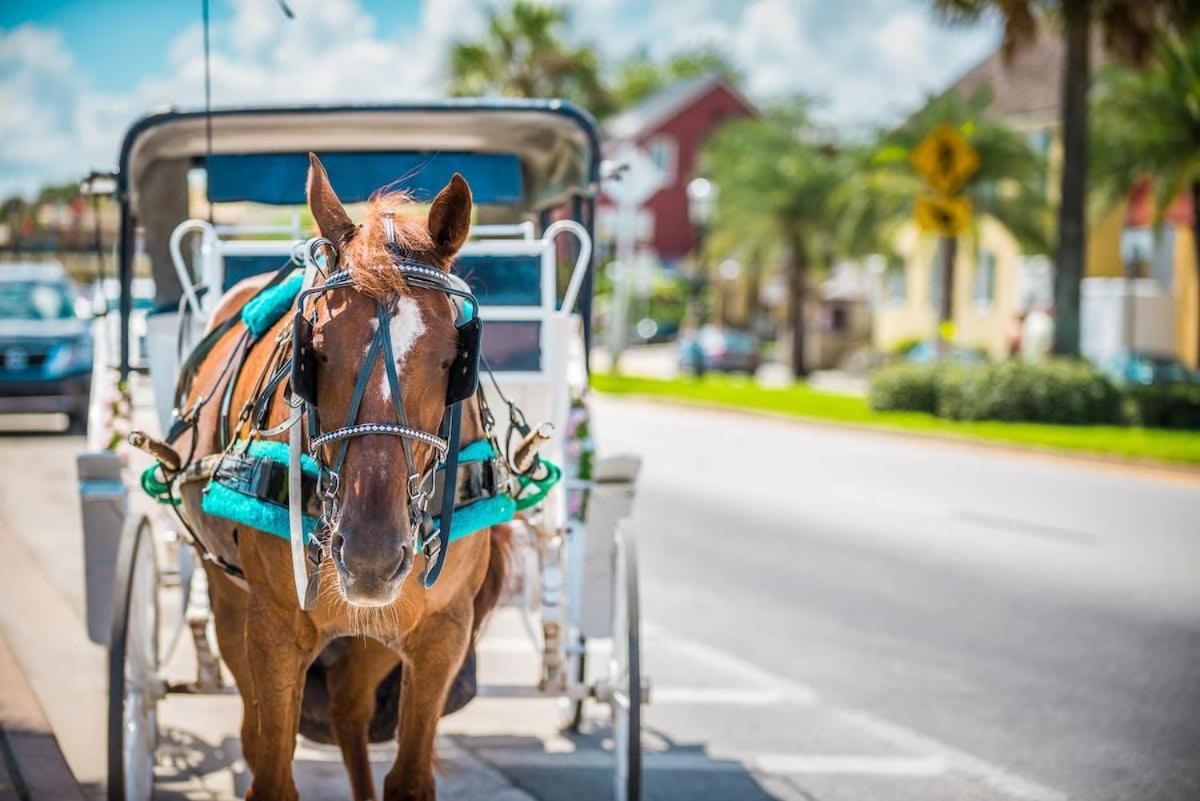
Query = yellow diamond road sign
x=944 y=216
x=944 y=159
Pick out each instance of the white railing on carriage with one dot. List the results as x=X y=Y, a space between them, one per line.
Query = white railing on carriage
x=524 y=230
x=209 y=255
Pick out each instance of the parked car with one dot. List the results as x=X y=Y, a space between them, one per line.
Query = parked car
x=1146 y=369
x=142 y=297
x=724 y=350
x=45 y=343
x=929 y=351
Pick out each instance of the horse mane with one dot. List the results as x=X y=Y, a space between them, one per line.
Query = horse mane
x=366 y=257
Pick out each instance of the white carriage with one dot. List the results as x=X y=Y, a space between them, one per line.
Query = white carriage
x=533 y=166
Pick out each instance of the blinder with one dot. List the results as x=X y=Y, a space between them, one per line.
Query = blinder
x=464 y=369
x=304 y=360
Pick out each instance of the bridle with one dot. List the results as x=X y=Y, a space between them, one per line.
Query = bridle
x=425 y=536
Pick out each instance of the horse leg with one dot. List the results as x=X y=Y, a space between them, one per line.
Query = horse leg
x=229 y=619
x=352 y=681
x=280 y=644
x=433 y=653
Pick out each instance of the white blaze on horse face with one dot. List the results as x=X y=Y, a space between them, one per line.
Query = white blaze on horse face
x=406 y=326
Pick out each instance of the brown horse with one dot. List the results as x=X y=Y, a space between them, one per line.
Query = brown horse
x=370 y=588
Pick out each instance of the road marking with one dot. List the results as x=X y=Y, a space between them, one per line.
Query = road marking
x=990 y=774
x=794 y=691
x=1014 y=525
x=901 y=737
x=731 y=696
x=778 y=764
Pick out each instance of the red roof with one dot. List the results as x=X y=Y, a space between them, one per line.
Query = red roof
x=1141 y=207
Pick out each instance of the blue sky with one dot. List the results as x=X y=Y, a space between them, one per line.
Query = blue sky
x=74 y=75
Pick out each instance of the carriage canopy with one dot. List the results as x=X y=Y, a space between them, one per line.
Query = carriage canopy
x=525 y=160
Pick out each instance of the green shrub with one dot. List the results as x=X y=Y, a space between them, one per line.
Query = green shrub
x=1059 y=391
x=1164 y=406
x=905 y=388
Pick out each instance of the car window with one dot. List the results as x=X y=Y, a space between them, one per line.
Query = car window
x=35 y=300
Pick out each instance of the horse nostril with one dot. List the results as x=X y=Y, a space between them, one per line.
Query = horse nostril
x=403 y=565
x=335 y=550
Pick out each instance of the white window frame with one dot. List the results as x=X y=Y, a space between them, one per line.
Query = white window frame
x=669 y=148
x=993 y=261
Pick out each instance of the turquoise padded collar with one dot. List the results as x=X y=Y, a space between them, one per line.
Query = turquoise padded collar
x=264 y=309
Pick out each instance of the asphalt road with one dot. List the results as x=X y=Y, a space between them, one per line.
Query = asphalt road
x=829 y=615
x=1009 y=613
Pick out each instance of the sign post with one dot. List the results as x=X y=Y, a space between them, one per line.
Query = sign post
x=945 y=161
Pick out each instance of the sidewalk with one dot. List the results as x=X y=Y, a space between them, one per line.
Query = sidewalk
x=32 y=767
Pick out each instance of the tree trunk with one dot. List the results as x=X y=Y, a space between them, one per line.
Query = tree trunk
x=1072 y=224
x=753 y=289
x=797 y=290
x=1196 y=267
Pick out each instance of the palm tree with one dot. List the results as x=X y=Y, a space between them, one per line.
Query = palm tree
x=1008 y=186
x=1146 y=125
x=640 y=76
x=523 y=55
x=1129 y=28
x=775 y=177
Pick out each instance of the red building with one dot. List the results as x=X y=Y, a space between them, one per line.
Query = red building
x=671 y=125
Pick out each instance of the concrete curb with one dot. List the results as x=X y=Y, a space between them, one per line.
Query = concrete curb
x=33 y=767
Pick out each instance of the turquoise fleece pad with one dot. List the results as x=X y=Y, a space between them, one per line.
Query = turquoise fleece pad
x=485 y=512
x=222 y=501
x=480 y=515
x=264 y=310
x=230 y=504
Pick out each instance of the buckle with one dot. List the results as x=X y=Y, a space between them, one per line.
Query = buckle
x=267 y=483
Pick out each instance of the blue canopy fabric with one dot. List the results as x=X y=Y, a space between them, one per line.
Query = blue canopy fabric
x=279 y=178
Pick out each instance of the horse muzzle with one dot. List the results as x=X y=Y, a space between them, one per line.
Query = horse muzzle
x=371 y=572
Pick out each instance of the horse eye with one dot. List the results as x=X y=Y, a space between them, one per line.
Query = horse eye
x=445 y=364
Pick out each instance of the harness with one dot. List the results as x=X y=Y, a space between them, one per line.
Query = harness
x=291 y=490
x=427 y=534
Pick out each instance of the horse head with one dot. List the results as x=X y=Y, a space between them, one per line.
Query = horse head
x=373 y=532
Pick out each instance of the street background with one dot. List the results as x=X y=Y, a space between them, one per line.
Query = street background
x=838 y=616
x=897 y=300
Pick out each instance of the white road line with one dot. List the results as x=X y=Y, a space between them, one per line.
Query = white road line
x=778 y=764
x=901 y=737
x=990 y=774
x=731 y=696
x=796 y=692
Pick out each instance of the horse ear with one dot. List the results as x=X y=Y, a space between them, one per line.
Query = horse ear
x=450 y=216
x=331 y=218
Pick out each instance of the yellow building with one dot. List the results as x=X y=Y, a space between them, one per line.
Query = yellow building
x=988 y=285
x=994 y=280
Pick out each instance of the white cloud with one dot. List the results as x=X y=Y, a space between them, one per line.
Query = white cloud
x=54 y=126
x=39 y=93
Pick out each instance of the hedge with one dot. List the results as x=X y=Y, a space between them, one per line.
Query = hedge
x=1058 y=391
x=1164 y=406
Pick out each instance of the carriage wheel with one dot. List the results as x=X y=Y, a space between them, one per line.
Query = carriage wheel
x=624 y=672
x=134 y=685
